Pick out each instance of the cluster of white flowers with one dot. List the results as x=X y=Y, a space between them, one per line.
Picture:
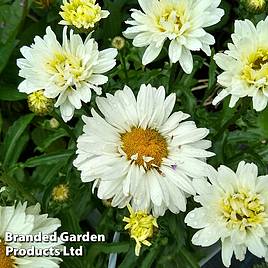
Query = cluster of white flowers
x=138 y=151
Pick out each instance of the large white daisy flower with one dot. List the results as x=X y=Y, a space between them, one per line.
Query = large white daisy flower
x=69 y=71
x=234 y=209
x=141 y=153
x=245 y=65
x=23 y=220
x=180 y=21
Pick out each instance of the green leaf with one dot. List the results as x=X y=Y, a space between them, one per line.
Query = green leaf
x=49 y=159
x=11 y=17
x=51 y=138
x=151 y=256
x=6 y=51
x=12 y=138
x=263 y=122
x=130 y=259
x=10 y=92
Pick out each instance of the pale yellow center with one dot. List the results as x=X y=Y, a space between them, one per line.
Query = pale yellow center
x=255 y=71
x=171 y=19
x=243 y=210
x=147 y=147
x=5 y=261
x=67 y=69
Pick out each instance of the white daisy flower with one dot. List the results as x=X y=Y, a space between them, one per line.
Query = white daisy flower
x=140 y=152
x=234 y=209
x=68 y=72
x=180 y=21
x=245 y=65
x=23 y=220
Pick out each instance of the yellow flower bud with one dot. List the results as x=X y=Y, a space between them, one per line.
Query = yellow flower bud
x=82 y=14
x=60 y=193
x=39 y=104
x=256 y=4
x=118 y=42
x=54 y=123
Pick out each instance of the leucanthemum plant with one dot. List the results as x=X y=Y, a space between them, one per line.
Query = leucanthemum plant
x=23 y=219
x=145 y=133
x=181 y=22
x=234 y=210
x=67 y=72
x=141 y=152
x=245 y=65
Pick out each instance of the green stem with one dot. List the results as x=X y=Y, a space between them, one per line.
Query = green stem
x=189 y=258
x=233 y=119
x=123 y=62
x=174 y=76
x=64 y=126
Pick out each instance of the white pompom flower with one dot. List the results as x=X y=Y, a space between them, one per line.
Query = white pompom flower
x=182 y=22
x=245 y=65
x=22 y=220
x=142 y=153
x=68 y=72
x=234 y=209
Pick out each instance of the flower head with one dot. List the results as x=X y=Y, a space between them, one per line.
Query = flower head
x=39 y=104
x=141 y=227
x=24 y=220
x=68 y=72
x=181 y=22
x=234 y=210
x=245 y=65
x=83 y=14
x=140 y=153
x=60 y=192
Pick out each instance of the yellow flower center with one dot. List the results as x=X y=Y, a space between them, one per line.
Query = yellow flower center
x=60 y=193
x=5 y=261
x=141 y=226
x=255 y=71
x=39 y=104
x=67 y=70
x=243 y=210
x=81 y=13
x=146 y=147
x=172 y=18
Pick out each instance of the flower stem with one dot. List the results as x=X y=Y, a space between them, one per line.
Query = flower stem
x=64 y=125
x=189 y=258
x=123 y=63
x=174 y=75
